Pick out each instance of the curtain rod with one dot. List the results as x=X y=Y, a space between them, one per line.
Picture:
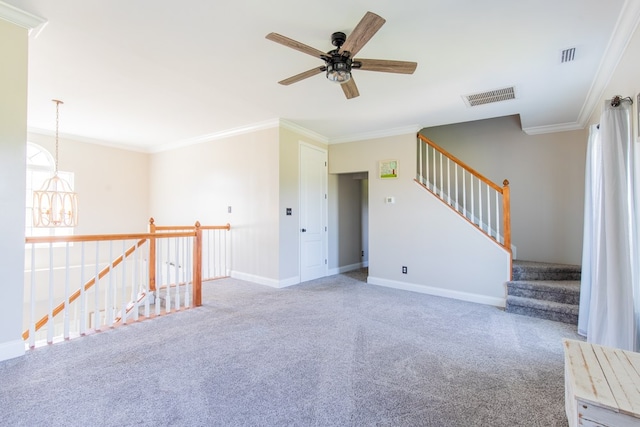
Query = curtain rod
x=617 y=100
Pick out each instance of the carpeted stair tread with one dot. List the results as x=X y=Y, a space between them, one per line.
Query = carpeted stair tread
x=545 y=290
x=563 y=291
x=559 y=312
x=531 y=270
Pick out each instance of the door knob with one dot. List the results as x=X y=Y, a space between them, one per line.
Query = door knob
x=304 y=230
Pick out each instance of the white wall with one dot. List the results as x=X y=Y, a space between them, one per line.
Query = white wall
x=546 y=176
x=112 y=184
x=443 y=253
x=13 y=134
x=199 y=183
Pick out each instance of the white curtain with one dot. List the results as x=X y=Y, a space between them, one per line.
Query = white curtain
x=608 y=314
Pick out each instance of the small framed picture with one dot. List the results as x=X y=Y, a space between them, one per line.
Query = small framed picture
x=388 y=169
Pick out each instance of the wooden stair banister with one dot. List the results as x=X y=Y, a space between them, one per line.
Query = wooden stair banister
x=504 y=191
x=58 y=309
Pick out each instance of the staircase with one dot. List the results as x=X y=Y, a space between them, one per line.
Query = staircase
x=547 y=291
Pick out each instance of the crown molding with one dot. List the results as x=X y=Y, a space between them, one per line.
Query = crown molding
x=267 y=124
x=377 y=134
x=21 y=18
x=624 y=30
x=86 y=140
x=560 y=127
x=303 y=131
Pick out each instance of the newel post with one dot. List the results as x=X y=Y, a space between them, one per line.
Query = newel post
x=152 y=256
x=506 y=213
x=197 y=266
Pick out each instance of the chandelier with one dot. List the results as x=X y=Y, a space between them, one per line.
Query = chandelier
x=55 y=204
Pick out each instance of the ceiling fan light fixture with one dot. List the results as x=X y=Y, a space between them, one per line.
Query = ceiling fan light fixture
x=339 y=71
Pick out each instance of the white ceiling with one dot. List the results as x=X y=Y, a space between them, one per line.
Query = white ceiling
x=149 y=74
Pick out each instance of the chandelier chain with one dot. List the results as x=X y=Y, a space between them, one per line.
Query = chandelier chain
x=58 y=102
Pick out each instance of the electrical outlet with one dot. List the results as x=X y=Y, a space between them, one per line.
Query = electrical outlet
x=404 y=269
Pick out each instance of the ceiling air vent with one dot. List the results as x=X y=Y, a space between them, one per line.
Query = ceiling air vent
x=568 y=55
x=490 y=96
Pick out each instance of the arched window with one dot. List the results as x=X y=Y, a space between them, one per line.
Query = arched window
x=40 y=167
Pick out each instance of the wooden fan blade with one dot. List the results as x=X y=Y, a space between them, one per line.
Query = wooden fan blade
x=350 y=89
x=286 y=41
x=366 y=28
x=302 y=76
x=387 y=66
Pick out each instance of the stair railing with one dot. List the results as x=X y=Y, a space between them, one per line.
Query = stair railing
x=114 y=276
x=477 y=199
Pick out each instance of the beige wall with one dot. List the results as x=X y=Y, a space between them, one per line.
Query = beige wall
x=13 y=133
x=444 y=254
x=199 y=183
x=112 y=184
x=546 y=175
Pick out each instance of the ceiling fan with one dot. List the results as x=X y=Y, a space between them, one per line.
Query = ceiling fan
x=340 y=61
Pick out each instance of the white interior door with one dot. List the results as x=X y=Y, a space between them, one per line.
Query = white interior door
x=313 y=212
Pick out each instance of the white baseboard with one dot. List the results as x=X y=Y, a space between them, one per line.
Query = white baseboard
x=440 y=292
x=11 y=349
x=346 y=268
x=273 y=283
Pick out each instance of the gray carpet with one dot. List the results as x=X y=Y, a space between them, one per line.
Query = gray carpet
x=332 y=352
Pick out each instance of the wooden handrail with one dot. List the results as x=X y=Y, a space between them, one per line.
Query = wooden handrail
x=461 y=163
x=504 y=191
x=43 y=321
x=106 y=237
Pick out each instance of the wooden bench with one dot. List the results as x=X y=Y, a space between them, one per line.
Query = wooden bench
x=602 y=385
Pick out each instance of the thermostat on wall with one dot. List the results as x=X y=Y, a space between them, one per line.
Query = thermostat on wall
x=390 y=200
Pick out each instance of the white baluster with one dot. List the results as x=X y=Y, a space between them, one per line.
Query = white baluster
x=433 y=182
x=177 y=270
x=441 y=178
x=51 y=287
x=473 y=205
x=83 y=295
x=32 y=314
x=449 y=180
x=188 y=273
x=96 y=285
x=123 y=291
x=420 y=176
x=426 y=163
x=167 y=305
x=488 y=210
x=480 y=201
x=497 y=216
x=159 y=271
x=464 y=194
x=110 y=292
x=135 y=283
x=457 y=197
x=145 y=279
x=66 y=294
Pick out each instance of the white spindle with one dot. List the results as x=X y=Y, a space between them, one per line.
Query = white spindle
x=135 y=283
x=145 y=280
x=480 y=201
x=167 y=305
x=457 y=197
x=497 y=216
x=426 y=164
x=32 y=313
x=488 y=210
x=65 y=332
x=188 y=272
x=96 y=293
x=449 y=180
x=51 y=286
x=464 y=194
x=473 y=204
x=441 y=183
x=110 y=303
x=159 y=271
x=123 y=290
x=83 y=296
x=433 y=182
x=420 y=176
x=177 y=269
